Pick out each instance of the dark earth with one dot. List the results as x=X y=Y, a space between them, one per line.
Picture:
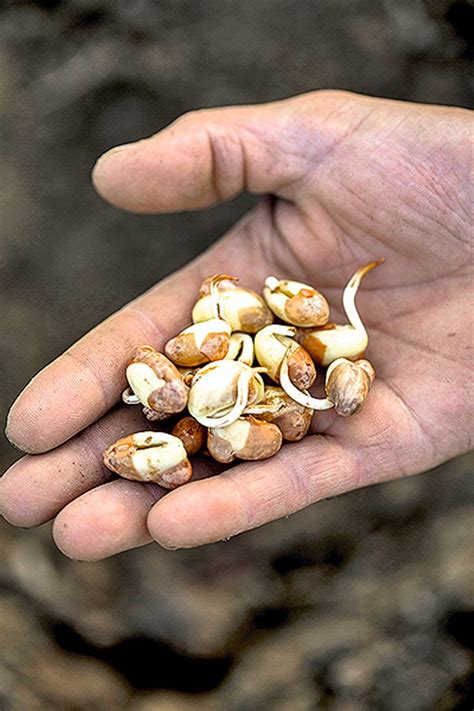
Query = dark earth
x=361 y=602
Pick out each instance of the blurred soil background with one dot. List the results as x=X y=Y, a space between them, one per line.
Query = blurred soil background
x=361 y=602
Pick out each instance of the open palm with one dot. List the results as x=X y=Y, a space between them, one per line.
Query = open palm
x=345 y=179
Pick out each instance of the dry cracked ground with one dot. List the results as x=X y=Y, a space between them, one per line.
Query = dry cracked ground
x=361 y=602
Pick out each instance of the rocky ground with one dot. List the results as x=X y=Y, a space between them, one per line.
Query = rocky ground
x=361 y=602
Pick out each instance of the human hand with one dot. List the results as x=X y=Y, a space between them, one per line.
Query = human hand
x=351 y=179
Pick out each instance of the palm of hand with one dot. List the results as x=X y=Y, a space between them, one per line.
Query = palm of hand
x=365 y=201
x=381 y=182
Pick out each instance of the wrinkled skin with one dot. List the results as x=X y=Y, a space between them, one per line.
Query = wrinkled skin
x=351 y=179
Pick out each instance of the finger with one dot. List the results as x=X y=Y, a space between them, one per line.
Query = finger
x=37 y=487
x=81 y=385
x=106 y=520
x=212 y=155
x=87 y=380
x=251 y=494
x=111 y=518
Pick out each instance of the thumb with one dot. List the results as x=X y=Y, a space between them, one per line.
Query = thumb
x=211 y=155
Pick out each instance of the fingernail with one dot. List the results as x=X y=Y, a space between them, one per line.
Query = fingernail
x=116 y=149
x=9 y=469
x=7 y=427
x=119 y=149
x=99 y=169
x=108 y=154
x=168 y=546
x=20 y=446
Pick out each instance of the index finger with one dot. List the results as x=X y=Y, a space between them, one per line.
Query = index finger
x=82 y=384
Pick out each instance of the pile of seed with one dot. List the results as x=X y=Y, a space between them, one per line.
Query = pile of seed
x=242 y=377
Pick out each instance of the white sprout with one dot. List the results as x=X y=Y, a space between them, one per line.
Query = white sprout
x=299 y=396
x=129 y=398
